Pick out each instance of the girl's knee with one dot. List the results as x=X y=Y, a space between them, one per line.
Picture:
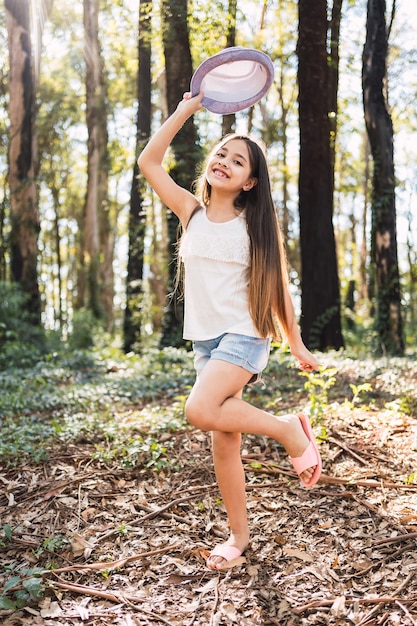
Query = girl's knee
x=196 y=413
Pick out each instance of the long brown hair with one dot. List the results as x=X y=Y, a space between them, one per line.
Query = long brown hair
x=268 y=274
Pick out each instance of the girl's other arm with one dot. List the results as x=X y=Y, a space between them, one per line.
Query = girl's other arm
x=306 y=360
x=179 y=200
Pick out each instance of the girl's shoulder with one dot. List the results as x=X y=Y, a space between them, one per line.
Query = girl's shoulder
x=199 y=208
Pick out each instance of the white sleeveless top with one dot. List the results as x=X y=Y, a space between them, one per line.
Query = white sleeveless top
x=216 y=259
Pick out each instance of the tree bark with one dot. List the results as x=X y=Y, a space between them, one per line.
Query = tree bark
x=25 y=225
x=333 y=81
x=228 y=121
x=137 y=214
x=381 y=137
x=320 y=300
x=98 y=237
x=186 y=152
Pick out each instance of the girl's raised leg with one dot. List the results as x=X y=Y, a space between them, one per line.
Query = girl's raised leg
x=214 y=405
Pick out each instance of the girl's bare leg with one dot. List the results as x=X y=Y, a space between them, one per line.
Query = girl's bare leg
x=231 y=480
x=215 y=404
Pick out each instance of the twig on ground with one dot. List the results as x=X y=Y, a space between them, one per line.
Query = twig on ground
x=91 y=615
x=407 y=612
x=381 y=484
x=398 y=590
x=332 y=480
x=162 y=509
x=405 y=582
x=347 y=449
x=387 y=558
x=119 y=599
x=103 y=565
x=366 y=601
x=396 y=539
x=369 y=616
x=61 y=485
x=89 y=591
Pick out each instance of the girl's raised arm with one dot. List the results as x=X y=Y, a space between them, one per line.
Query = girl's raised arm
x=181 y=201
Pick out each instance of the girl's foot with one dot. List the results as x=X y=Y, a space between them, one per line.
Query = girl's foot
x=305 y=456
x=232 y=549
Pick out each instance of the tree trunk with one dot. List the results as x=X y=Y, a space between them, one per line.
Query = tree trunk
x=380 y=132
x=286 y=90
x=99 y=277
x=58 y=307
x=186 y=152
x=23 y=198
x=333 y=80
x=228 y=121
x=365 y=287
x=320 y=300
x=412 y=270
x=137 y=216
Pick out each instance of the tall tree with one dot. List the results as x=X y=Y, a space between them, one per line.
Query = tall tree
x=98 y=244
x=228 y=121
x=277 y=127
x=4 y=133
x=137 y=214
x=381 y=137
x=186 y=151
x=62 y=175
x=320 y=299
x=23 y=201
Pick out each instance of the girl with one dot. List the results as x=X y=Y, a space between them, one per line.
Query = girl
x=236 y=293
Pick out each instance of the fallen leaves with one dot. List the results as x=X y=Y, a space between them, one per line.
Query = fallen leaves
x=344 y=552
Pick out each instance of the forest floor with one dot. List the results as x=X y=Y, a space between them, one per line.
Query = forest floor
x=127 y=545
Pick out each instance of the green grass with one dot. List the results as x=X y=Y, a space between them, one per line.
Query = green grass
x=120 y=405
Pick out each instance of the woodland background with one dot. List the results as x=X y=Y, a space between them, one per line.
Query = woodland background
x=84 y=243
x=108 y=499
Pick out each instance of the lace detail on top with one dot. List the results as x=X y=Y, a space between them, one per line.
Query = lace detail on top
x=217 y=248
x=216 y=241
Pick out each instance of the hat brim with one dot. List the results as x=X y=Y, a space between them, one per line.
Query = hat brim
x=233 y=79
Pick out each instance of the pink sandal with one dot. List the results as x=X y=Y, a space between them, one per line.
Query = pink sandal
x=229 y=553
x=311 y=455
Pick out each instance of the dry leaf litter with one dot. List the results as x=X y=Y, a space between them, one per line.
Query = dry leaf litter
x=344 y=552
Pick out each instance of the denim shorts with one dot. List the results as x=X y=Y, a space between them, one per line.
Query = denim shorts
x=251 y=353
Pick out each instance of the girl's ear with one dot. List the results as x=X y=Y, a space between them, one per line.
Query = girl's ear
x=250 y=184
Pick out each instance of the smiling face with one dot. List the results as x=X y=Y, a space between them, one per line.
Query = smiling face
x=230 y=169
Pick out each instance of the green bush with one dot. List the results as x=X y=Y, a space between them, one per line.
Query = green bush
x=84 y=327
x=21 y=342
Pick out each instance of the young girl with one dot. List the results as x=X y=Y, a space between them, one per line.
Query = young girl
x=236 y=293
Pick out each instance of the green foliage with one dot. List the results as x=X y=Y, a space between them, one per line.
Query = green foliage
x=25 y=586
x=25 y=435
x=126 y=408
x=317 y=385
x=74 y=397
x=358 y=390
x=84 y=328
x=411 y=479
x=129 y=451
x=123 y=529
x=141 y=438
x=23 y=589
x=21 y=342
